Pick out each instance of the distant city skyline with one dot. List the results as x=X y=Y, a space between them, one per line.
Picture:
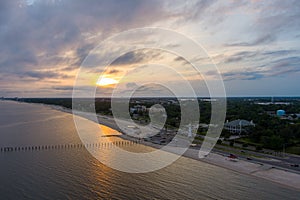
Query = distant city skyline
x=255 y=44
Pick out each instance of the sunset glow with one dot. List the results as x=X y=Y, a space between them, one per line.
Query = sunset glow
x=132 y=99
x=253 y=43
x=103 y=82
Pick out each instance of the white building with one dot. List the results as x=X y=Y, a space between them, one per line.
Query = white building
x=138 y=108
x=238 y=126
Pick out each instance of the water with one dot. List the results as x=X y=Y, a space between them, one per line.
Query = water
x=74 y=174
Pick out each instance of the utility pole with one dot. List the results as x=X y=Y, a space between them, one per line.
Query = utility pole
x=283 y=149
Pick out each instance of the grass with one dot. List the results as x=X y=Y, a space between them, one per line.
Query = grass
x=248 y=141
x=237 y=151
x=293 y=150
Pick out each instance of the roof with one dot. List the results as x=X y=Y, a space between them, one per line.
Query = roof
x=239 y=122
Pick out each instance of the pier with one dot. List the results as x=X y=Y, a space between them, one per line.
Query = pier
x=98 y=145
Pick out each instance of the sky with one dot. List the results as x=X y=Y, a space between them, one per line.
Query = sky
x=255 y=45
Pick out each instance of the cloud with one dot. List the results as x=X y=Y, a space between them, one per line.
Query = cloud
x=198 y=9
x=240 y=56
x=48 y=40
x=262 y=40
x=182 y=60
x=129 y=58
x=113 y=71
x=55 y=27
x=277 y=68
x=131 y=85
x=285 y=66
x=64 y=88
x=242 y=75
x=152 y=90
x=57 y=35
x=138 y=57
x=280 y=52
x=280 y=16
x=252 y=56
x=40 y=75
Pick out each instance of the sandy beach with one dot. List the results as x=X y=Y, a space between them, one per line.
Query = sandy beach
x=268 y=172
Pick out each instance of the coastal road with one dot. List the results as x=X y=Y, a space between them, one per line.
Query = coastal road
x=287 y=162
x=284 y=163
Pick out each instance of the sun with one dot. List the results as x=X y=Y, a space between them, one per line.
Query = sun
x=103 y=81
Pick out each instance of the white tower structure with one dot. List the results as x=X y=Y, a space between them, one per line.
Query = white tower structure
x=190 y=131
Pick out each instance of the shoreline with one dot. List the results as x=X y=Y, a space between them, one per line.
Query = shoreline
x=267 y=172
x=279 y=176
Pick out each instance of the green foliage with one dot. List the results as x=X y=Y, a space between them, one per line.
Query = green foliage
x=272 y=142
x=225 y=133
x=245 y=145
x=219 y=141
x=270 y=131
x=294 y=149
x=258 y=148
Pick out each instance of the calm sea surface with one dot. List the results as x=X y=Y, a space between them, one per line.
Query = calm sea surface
x=72 y=173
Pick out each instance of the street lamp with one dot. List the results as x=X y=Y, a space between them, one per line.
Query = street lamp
x=283 y=149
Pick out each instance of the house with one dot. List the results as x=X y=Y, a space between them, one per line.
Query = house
x=238 y=126
x=294 y=116
x=138 y=108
